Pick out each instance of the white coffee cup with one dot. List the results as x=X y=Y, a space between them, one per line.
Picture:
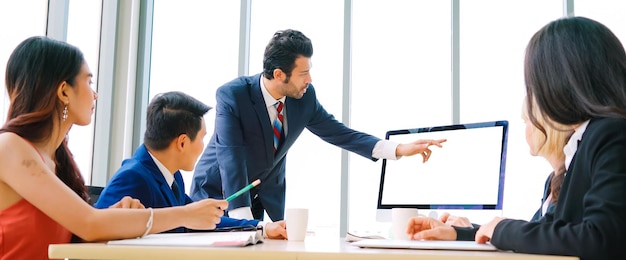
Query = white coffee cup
x=297 y=220
x=400 y=221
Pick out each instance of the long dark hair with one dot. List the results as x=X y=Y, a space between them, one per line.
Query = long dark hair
x=34 y=71
x=549 y=144
x=575 y=69
x=556 y=183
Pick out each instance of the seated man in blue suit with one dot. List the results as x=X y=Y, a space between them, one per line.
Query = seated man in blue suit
x=173 y=141
x=251 y=143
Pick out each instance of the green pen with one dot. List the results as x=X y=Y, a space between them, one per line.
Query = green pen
x=247 y=188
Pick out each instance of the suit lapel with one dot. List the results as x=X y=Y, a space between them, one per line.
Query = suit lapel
x=258 y=103
x=150 y=165
x=167 y=192
x=294 y=118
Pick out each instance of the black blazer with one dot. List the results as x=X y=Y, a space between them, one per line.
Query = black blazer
x=589 y=219
x=546 y=193
x=469 y=233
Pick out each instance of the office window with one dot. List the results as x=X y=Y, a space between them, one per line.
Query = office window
x=31 y=15
x=83 y=31
x=313 y=166
x=195 y=45
x=401 y=78
x=492 y=47
x=609 y=12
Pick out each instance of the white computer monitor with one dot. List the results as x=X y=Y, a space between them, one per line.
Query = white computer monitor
x=466 y=175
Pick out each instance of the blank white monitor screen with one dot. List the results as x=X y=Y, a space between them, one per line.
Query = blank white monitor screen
x=467 y=173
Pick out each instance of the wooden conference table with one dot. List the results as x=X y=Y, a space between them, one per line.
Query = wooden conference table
x=311 y=248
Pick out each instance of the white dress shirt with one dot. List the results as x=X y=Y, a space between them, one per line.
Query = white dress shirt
x=169 y=177
x=572 y=144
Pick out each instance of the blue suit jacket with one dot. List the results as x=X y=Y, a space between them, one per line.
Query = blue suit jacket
x=241 y=148
x=140 y=178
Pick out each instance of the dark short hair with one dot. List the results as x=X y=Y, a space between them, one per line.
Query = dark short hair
x=575 y=69
x=171 y=114
x=282 y=51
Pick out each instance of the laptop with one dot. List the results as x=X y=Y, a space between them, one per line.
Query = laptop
x=424 y=244
x=465 y=177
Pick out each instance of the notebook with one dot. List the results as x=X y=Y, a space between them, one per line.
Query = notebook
x=424 y=244
x=351 y=237
x=196 y=239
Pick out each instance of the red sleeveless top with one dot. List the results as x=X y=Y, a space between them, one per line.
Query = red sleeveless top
x=26 y=232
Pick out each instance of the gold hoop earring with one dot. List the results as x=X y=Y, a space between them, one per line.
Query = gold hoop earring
x=64 y=116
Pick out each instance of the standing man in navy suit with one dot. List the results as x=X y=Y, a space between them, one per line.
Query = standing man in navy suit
x=259 y=117
x=173 y=141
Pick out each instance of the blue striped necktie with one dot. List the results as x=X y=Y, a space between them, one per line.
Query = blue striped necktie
x=278 y=124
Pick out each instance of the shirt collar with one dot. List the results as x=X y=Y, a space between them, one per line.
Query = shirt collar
x=169 y=177
x=269 y=100
x=572 y=144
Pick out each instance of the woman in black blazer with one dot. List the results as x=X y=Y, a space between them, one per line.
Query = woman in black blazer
x=547 y=142
x=575 y=73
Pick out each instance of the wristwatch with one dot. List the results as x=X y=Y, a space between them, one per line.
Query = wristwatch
x=261 y=228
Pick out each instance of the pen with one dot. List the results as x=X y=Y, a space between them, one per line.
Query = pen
x=247 y=188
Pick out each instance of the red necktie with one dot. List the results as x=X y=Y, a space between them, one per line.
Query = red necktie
x=278 y=124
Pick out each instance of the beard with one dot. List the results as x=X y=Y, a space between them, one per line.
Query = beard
x=291 y=90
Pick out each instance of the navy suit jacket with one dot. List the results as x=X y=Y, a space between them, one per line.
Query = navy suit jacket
x=241 y=148
x=140 y=178
x=589 y=219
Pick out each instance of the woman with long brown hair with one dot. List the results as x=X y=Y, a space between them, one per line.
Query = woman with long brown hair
x=42 y=194
x=575 y=73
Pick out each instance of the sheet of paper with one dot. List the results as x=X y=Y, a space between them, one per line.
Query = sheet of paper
x=197 y=239
x=431 y=245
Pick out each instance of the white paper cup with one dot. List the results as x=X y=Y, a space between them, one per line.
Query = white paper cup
x=297 y=220
x=400 y=221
